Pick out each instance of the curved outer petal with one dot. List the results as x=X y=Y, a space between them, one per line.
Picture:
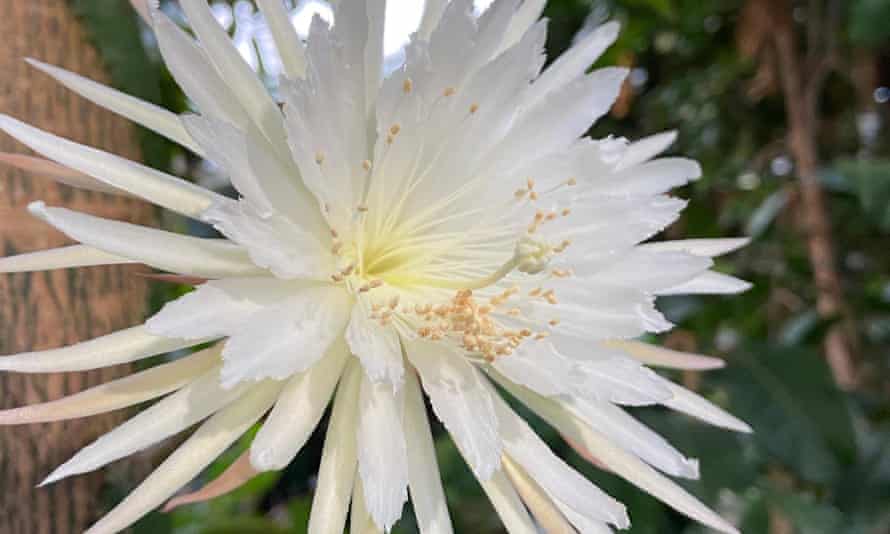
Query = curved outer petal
x=64 y=175
x=709 y=283
x=360 y=521
x=538 y=502
x=619 y=461
x=656 y=356
x=507 y=504
x=122 y=346
x=336 y=475
x=208 y=442
x=424 y=482
x=59 y=258
x=462 y=402
x=382 y=453
x=154 y=186
x=290 y=49
x=693 y=404
x=700 y=247
x=297 y=412
x=127 y=391
x=236 y=475
x=172 y=415
x=153 y=117
x=181 y=254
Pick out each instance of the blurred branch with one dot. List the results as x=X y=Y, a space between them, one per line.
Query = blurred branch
x=802 y=92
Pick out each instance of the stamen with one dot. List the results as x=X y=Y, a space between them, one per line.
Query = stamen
x=319 y=157
x=450 y=91
x=366 y=165
x=407 y=86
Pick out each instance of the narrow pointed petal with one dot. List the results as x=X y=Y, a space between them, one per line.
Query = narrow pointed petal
x=562 y=483
x=172 y=415
x=617 y=460
x=59 y=258
x=462 y=402
x=382 y=453
x=235 y=72
x=656 y=356
x=424 y=481
x=154 y=186
x=120 y=347
x=336 y=474
x=144 y=7
x=695 y=405
x=235 y=476
x=194 y=72
x=539 y=504
x=526 y=16
x=709 y=283
x=290 y=49
x=208 y=442
x=60 y=173
x=700 y=247
x=121 y=393
x=645 y=149
x=507 y=504
x=209 y=258
x=297 y=412
x=572 y=64
x=432 y=14
x=153 y=117
x=360 y=520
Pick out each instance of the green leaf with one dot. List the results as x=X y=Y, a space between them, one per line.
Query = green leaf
x=871 y=183
x=799 y=417
x=244 y=525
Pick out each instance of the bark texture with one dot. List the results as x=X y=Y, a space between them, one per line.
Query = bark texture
x=52 y=309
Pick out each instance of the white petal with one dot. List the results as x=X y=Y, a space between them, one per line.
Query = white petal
x=654 y=355
x=290 y=49
x=235 y=72
x=507 y=504
x=59 y=258
x=120 y=393
x=360 y=520
x=376 y=346
x=286 y=338
x=193 y=71
x=541 y=506
x=693 y=404
x=336 y=475
x=645 y=149
x=700 y=247
x=218 y=308
x=560 y=481
x=44 y=168
x=207 y=258
x=153 y=117
x=709 y=283
x=122 y=346
x=172 y=415
x=297 y=412
x=382 y=453
x=432 y=13
x=208 y=442
x=655 y=177
x=635 y=437
x=619 y=461
x=573 y=63
x=526 y=16
x=424 y=482
x=152 y=185
x=462 y=402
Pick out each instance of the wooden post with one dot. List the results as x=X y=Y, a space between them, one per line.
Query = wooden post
x=52 y=309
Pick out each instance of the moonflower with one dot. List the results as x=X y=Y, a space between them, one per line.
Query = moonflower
x=444 y=229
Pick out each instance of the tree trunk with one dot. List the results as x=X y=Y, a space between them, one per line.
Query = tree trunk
x=52 y=309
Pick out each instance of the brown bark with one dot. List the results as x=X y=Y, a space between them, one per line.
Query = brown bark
x=801 y=75
x=52 y=309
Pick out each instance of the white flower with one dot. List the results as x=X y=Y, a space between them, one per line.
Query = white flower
x=444 y=227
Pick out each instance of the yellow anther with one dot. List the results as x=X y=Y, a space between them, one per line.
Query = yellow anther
x=533 y=195
x=361 y=208
x=374 y=284
x=450 y=91
x=395 y=129
x=366 y=165
x=394 y=302
x=566 y=212
x=407 y=86
x=520 y=193
x=553 y=322
x=530 y=183
x=319 y=157
x=572 y=181
x=474 y=108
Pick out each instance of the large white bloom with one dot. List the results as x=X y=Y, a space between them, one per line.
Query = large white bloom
x=436 y=230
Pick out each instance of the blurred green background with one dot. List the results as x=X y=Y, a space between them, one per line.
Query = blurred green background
x=714 y=70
